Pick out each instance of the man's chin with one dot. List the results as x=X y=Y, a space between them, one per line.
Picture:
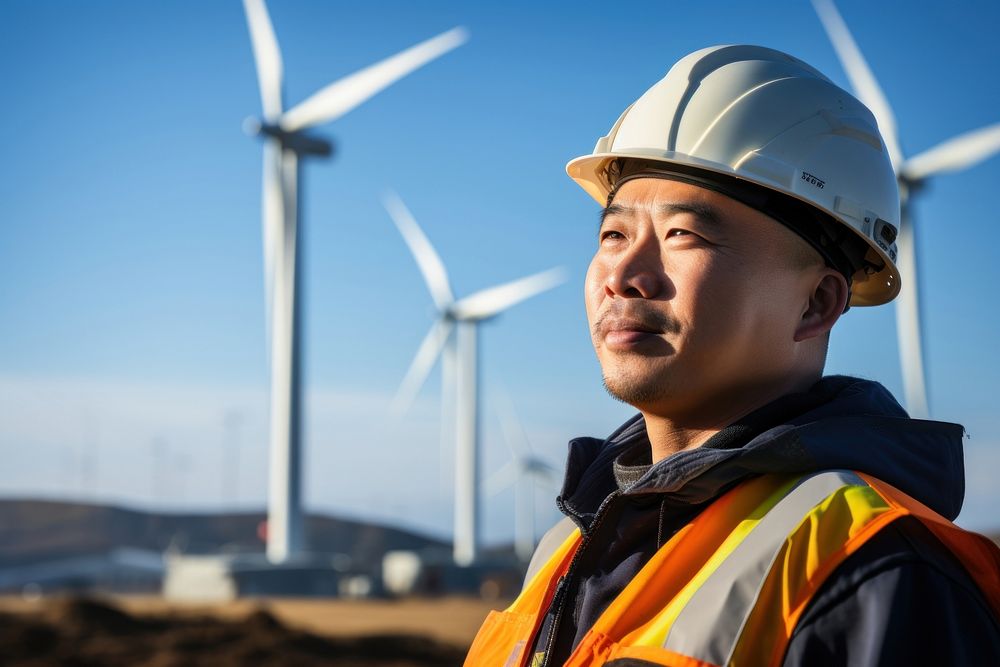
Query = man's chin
x=639 y=393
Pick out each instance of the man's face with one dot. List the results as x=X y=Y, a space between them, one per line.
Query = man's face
x=692 y=298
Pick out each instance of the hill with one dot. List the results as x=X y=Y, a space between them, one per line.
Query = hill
x=33 y=531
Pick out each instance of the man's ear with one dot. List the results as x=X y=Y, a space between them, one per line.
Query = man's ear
x=826 y=304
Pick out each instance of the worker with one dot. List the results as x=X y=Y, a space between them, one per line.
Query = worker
x=754 y=512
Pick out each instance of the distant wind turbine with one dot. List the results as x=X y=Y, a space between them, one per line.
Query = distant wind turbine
x=524 y=470
x=956 y=153
x=285 y=144
x=454 y=337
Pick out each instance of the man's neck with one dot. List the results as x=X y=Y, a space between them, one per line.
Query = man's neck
x=672 y=433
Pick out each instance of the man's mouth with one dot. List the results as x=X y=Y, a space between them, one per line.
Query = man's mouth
x=628 y=333
x=625 y=327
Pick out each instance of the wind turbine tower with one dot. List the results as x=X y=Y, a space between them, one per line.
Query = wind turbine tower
x=454 y=336
x=523 y=471
x=286 y=144
x=912 y=173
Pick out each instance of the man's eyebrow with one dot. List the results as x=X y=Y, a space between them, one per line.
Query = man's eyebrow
x=615 y=209
x=705 y=212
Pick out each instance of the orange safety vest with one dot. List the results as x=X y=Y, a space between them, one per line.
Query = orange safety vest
x=729 y=587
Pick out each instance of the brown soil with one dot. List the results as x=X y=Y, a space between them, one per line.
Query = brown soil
x=86 y=632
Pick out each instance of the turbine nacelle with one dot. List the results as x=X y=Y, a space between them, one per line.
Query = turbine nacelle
x=538 y=467
x=299 y=142
x=908 y=187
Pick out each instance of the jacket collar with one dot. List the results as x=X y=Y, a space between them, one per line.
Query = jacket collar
x=858 y=426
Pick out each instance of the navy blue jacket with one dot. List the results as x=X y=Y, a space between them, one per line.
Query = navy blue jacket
x=901 y=599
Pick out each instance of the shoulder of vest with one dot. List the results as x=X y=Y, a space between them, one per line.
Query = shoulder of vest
x=903 y=583
x=905 y=543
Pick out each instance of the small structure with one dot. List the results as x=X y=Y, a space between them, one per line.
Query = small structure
x=434 y=572
x=215 y=578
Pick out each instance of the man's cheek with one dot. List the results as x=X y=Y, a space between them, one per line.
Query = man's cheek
x=593 y=292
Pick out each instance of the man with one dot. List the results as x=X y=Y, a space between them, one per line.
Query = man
x=754 y=512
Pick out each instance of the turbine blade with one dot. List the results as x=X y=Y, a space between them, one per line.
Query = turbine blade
x=501 y=479
x=491 y=301
x=428 y=260
x=268 y=57
x=960 y=152
x=865 y=85
x=342 y=96
x=421 y=366
x=512 y=429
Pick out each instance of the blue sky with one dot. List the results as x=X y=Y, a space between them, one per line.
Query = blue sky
x=131 y=266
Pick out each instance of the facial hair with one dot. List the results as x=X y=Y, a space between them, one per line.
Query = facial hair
x=635 y=388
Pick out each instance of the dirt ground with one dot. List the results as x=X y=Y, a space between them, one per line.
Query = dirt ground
x=150 y=632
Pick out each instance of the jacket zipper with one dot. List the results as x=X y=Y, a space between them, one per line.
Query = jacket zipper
x=563 y=584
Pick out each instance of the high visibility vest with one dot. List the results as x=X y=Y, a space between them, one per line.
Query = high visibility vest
x=729 y=587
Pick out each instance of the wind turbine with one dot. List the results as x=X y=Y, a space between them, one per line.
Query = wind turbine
x=286 y=143
x=454 y=337
x=523 y=471
x=956 y=153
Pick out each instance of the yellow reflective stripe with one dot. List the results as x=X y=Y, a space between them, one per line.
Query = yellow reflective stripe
x=819 y=543
x=656 y=631
x=822 y=534
x=709 y=626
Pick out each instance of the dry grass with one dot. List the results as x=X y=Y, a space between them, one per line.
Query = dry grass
x=452 y=620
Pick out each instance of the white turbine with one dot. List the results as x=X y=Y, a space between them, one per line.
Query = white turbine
x=523 y=471
x=285 y=142
x=959 y=152
x=454 y=336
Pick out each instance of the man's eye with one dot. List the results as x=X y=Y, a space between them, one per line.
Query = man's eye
x=678 y=232
x=611 y=234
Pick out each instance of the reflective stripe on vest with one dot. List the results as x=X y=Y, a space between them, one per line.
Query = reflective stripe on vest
x=730 y=586
x=710 y=623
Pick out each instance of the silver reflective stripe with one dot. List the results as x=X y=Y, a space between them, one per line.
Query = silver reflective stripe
x=512 y=659
x=548 y=545
x=712 y=620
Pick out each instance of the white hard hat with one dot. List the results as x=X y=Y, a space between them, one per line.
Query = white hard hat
x=748 y=118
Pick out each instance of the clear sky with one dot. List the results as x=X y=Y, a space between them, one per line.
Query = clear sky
x=132 y=347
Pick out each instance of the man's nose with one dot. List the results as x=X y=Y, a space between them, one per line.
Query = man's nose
x=637 y=274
